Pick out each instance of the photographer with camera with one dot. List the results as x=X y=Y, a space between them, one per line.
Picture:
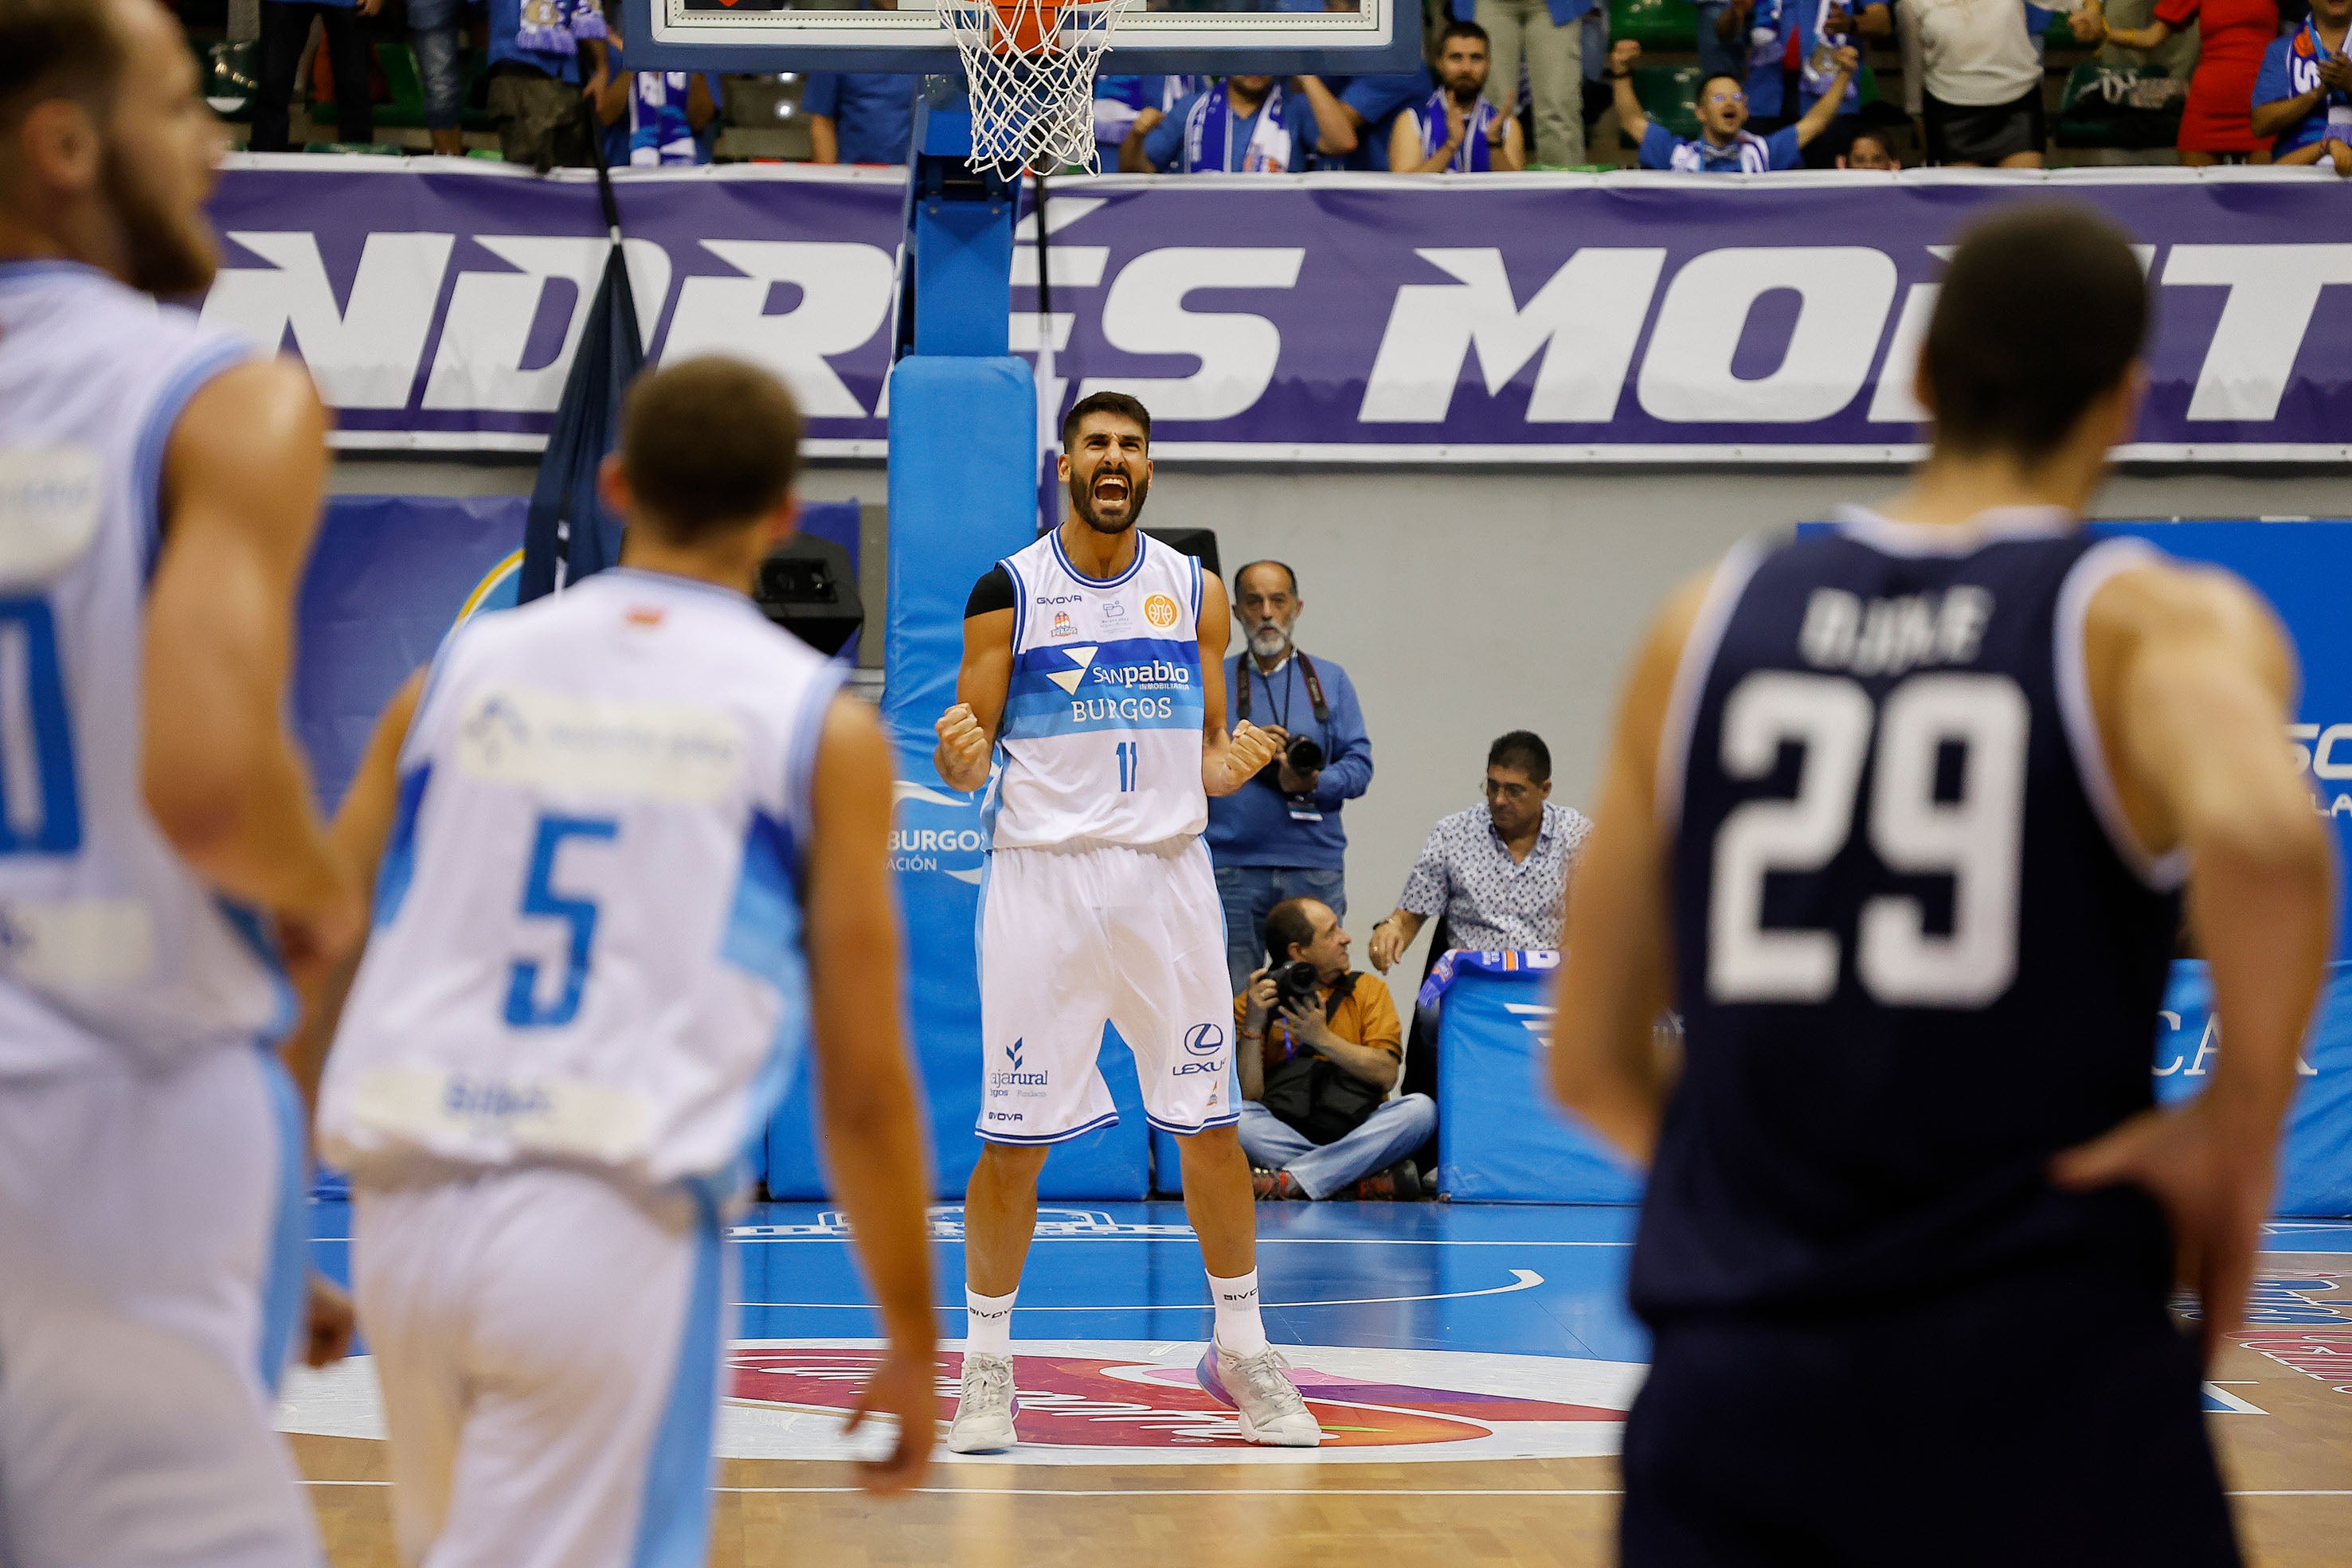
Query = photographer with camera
x=1320 y=1047
x=1279 y=836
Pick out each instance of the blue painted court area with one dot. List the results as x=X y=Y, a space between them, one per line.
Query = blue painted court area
x=1512 y=1278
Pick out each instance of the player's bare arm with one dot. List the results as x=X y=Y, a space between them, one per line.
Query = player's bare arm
x=968 y=730
x=362 y=826
x=865 y=1082
x=1619 y=973
x=2193 y=682
x=1226 y=762
x=243 y=474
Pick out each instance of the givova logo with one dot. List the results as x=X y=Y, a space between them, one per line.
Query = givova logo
x=935 y=831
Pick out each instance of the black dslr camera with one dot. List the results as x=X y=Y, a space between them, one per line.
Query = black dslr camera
x=1303 y=756
x=1296 y=987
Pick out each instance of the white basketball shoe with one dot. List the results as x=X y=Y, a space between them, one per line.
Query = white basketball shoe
x=985 y=1407
x=1258 y=1388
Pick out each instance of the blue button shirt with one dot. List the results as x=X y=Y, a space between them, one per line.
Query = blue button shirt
x=873 y=112
x=1380 y=99
x=1253 y=825
x=1749 y=154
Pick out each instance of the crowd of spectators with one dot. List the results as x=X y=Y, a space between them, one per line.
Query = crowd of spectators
x=1758 y=85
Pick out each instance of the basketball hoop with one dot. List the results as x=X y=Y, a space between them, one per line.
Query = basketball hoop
x=1029 y=65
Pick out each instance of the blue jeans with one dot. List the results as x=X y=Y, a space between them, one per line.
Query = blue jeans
x=433 y=32
x=1249 y=894
x=1393 y=1130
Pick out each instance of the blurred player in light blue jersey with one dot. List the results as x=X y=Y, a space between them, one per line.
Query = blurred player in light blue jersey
x=158 y=489
x=1092 y=707
x=631 y=844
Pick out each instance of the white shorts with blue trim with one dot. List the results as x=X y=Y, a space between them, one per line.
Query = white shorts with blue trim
x=1071 y=939
x=152 y=1275
x=549 y=1344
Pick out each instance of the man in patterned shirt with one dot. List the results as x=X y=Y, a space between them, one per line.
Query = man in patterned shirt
x=1498 y=876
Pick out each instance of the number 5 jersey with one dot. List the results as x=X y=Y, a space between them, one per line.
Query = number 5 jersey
x=587 y=941
x=1919 y=951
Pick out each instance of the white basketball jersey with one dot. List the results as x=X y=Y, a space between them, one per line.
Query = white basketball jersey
x=1100 y=741
x=109 y=946
x=587 y=932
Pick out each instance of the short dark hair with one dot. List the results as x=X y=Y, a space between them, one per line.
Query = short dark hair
x=1240 y=571
x=1711 y=78
x=707 y=445
x=1522 y=749
x=56 y=48
x=1118 y=402
x=1464 y=29
x=2043 y=309
x=1886 y=141
x=1288 y=925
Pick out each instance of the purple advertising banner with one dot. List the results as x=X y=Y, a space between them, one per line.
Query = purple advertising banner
x=1298 y=319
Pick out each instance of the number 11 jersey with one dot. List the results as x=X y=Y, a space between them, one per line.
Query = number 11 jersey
x=1100 y=742
x=1919 y=951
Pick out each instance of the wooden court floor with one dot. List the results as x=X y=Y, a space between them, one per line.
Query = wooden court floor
x=1505 y=1324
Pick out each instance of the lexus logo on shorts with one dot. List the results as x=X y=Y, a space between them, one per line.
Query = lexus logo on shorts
x=1204 y=1040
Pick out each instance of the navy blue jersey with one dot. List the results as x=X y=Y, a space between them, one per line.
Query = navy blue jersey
x=1919 y=951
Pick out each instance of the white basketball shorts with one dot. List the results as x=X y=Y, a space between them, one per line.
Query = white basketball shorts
x=152 y=1275
x=1071 y=939
x=550 y=1346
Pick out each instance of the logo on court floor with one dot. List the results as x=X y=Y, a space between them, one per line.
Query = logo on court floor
x=1160 y=611
x=1093 y=1401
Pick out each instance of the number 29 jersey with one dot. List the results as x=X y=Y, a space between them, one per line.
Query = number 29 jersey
x=587 y=941
x=1100 y=741
x=1919 y=951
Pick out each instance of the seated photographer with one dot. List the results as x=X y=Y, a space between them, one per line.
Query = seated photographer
x=1320 y=1047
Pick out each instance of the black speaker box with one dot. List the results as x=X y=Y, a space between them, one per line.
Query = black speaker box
x=1199 y=543
x=809 y=589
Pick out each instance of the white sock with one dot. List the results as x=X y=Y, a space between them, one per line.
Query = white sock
x=988 y=1321
x=1239 y=1328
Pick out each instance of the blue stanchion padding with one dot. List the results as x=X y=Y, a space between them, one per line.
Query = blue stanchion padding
x=2316 y=1166
x=1499 y=1137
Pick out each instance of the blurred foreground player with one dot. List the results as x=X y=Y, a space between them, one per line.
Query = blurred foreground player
x=632 y=858
x=1091 y=703
x=1900 y=818
x=159 y=851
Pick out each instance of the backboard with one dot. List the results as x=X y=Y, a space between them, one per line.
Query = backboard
x=1207 y=36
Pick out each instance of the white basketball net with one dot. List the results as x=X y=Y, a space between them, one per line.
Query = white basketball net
x=1030 y=67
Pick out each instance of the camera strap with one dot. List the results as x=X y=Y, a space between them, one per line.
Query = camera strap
x=1251 y=675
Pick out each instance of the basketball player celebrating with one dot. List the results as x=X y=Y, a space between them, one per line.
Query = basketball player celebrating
x=1093 y=663
x=633 y=844
x=159 y=487
x=1900 y=817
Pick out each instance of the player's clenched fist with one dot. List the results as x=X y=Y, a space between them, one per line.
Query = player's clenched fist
x=962 y=757
x=1249 y=750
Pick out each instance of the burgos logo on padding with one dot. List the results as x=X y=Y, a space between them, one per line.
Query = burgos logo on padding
x=933 y=830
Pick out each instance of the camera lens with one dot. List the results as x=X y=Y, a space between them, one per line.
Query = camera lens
x=1304 y=756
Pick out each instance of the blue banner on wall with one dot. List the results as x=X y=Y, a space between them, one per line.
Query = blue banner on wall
x=1536 y=318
